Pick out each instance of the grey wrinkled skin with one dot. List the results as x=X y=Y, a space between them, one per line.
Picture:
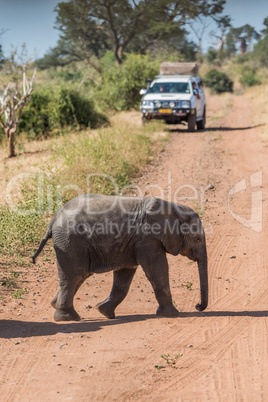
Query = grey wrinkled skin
x=98 y=233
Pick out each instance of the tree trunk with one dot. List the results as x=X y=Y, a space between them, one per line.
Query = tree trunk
x=10 y=133
x=118 y=52
x=243 y=46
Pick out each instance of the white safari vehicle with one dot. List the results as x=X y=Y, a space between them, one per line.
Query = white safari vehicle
x=175 y=98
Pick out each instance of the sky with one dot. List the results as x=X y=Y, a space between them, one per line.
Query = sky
x=32 y=22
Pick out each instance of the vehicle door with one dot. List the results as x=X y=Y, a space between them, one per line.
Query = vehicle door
x=199 y=104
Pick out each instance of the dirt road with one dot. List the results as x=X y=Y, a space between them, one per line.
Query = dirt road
x=223 y=351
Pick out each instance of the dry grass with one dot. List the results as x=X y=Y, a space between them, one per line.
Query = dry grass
x=82 y=152
x=119 y=151
x=223 y=110
x=46 y=174
x=258 y=96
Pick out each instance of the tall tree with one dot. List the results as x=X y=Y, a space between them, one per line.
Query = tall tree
x=244 y=35
x=265 y=23
x=1 y=57
x=89 y=27
x=220 y=36
x=2 y=31
x=199 y=26
x=261 y=47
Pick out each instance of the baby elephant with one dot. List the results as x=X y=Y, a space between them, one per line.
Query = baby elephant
x=99 y=233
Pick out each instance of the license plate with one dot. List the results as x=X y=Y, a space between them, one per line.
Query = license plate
x=165 y=110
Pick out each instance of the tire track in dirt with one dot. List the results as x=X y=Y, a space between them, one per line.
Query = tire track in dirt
x=206 y=354
x=230 y=336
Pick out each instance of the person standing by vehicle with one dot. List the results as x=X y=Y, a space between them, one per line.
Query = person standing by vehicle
x=195 y=90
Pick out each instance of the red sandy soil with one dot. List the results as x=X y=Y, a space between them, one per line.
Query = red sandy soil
x=223 y=350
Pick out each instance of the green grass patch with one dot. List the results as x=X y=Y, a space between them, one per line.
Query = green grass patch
x=18 y=231
x=104 y=161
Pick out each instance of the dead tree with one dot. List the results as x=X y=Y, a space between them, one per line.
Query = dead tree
x=220 y=38
x=199 y=26
x=12 y=102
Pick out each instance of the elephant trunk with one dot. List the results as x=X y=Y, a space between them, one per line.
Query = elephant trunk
x=203 y=276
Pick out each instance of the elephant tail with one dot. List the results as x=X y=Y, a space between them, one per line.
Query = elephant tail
x=47 y=236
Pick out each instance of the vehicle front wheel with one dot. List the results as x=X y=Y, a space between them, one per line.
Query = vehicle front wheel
x=202 y=123
x=192 y=122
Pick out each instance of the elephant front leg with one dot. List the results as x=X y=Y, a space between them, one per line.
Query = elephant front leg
x=122 y=280
x=54 y=300
x=155 y=267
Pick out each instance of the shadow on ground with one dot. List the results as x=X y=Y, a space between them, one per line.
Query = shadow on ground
x=177 y=129
x=23 y=329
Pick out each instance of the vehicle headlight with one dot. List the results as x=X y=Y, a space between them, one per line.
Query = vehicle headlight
x=157 y=104
x=147 y=103
x=172 y=104
x=185 y=104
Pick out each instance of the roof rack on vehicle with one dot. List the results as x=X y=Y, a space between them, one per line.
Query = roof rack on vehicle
x=180 y=68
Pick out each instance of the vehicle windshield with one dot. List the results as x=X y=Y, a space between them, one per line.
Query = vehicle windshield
x=170 y=88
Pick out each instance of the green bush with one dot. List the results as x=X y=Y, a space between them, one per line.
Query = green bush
x=76 y=109
x=121 y=84
x=260 y=52
x=249 y=78
x=67 y=75
x=49 y=110
x=40 y=116
x=212 y=55
x=241 y=58
x=103 y=162
x=218 y=81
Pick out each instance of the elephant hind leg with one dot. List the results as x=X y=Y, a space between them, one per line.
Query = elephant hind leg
x=121 y=284
x=72 y=270
x=64 y=301
x=54 y=300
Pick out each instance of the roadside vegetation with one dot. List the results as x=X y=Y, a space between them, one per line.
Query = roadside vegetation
x=84 y=93
x=258 y=97
x=100 y=161
x=106 y=160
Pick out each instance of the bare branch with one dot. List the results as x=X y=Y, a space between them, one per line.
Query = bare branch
x=107 y=33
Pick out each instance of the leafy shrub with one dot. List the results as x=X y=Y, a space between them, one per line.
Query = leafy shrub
x=40 y=115
x=241 y=58
x=103 y=162
x=249 y=78
x=260 y=52
x=67 y=75
x=218 y=81
x=121 y=84
x=76 y=109
x=50 y=110
x=212 y=55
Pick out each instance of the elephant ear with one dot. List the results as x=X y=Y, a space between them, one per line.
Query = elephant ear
x=164 y=224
